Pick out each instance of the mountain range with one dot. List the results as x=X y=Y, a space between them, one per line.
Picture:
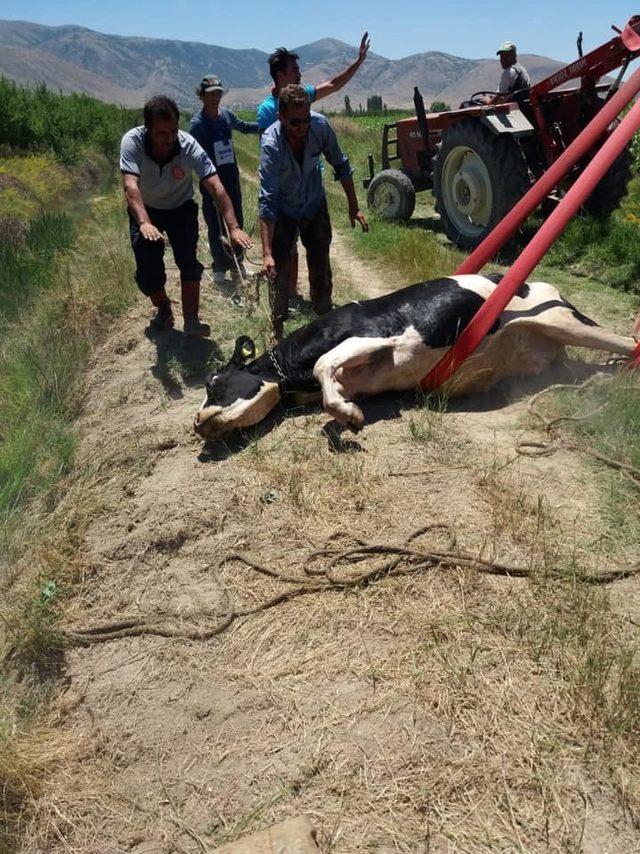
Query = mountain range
x=127 y=70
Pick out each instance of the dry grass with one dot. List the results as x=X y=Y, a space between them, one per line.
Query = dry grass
x=439 y=711
x=43 y=356
x=29 y=750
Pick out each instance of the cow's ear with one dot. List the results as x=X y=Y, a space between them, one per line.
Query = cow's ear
x=245 y=351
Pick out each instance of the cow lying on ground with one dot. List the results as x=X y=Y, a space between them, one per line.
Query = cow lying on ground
x=391 y=343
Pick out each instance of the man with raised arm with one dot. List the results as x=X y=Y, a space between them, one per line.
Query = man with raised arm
x=157 y=162
x=284 y=70
x=292 y=200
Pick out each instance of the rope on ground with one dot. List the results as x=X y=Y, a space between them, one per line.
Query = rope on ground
x=331 y=575
x=557 y=442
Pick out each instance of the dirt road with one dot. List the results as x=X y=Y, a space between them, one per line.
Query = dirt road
x=426 y=711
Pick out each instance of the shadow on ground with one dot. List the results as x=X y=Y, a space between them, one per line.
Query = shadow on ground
x=181 y=360
x=238 y=440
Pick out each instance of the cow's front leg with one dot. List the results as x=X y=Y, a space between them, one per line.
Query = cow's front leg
x=352 y=353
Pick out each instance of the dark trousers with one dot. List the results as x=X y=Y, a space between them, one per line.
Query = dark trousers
x=315 y=234
x=220 y=259
x=181 y=227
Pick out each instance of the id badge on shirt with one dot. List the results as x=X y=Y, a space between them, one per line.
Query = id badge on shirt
x=223 y=152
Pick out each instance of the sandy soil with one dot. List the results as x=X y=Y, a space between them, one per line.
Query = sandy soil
x=409 y=715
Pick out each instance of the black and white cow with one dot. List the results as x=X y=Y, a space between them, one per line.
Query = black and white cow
x=391 y=343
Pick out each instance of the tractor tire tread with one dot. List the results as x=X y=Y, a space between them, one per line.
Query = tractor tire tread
x=502 y=156
x=406 y=190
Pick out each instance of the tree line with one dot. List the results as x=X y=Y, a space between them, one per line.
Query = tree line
x=375 y=107
x=38 y=119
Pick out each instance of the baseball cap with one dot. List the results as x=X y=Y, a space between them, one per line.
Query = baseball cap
x=505 y=47
x=210 y=83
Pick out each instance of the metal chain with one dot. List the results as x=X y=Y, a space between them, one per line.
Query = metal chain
x=274 y=362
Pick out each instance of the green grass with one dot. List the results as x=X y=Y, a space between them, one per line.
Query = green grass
x=52 y=311
x=607 y=420
x=608 y=249
x=27 y=268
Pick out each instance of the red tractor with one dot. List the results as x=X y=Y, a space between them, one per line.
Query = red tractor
x=479 y=161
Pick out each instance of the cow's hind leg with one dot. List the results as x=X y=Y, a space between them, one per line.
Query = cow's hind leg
x=568 y=327
x=352 y=353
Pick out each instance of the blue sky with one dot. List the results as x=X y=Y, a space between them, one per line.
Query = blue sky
x=466 y=28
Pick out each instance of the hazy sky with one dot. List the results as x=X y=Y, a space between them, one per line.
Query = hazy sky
x=398 y=27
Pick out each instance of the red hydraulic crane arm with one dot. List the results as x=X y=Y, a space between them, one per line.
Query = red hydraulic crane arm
x=578 y=149
x=619 y=51
x=599 y=62
x=491 y=309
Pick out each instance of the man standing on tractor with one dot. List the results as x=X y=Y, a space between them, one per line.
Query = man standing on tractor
x=515 y=77
x=284 y=70
x=292 y=200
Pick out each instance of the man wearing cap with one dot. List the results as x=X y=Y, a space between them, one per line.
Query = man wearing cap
x=515 y=77
x=212 y=126
x=157 y=162
x=292 y=200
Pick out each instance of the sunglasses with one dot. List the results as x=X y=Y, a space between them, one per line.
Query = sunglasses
x=295 y=123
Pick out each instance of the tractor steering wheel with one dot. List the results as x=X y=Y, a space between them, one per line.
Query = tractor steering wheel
x=477 y=99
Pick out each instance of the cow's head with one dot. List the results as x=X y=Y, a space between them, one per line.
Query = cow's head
x=236 y=397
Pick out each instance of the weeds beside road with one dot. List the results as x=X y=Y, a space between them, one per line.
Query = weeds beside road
x=59 y=291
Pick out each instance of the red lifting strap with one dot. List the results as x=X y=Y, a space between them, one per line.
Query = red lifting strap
x=491 y=309
x=635 y=358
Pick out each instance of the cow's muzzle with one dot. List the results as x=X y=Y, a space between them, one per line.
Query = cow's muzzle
x=207 y=424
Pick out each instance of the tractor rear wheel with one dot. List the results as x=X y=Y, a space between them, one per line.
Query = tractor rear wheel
x=610 y=191
x=391 y=195
x=478 y=177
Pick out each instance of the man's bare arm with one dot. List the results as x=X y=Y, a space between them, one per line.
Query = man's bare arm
x=339 y=80
x=135 y=203
x=214 y=187
x=355 y=214
x=267 y=228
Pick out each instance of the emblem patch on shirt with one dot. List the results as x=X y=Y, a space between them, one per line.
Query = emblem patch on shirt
x=178 y=172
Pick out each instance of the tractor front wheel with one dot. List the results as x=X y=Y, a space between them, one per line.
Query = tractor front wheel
x=478 y=177
x=391 y=195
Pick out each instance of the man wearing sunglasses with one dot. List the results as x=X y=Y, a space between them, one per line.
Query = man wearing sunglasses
x=284 y=69
x=292 y=200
